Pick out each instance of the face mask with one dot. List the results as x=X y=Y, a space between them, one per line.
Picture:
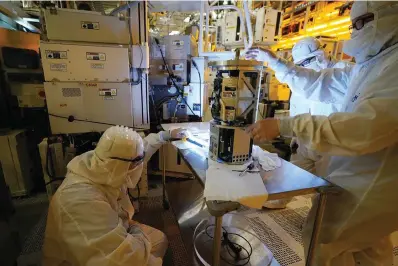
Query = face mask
x=322 y=62
x=361 y=42
x=133 y=175
x=314 y=66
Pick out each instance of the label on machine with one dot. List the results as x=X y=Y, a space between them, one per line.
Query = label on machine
x=196 y=107
x=229 y=113
x=97 y=66
x=178 y=67
x=89 y=25
x=58 y=67
x=107 y=92
x=50 y=54
x=96 y=56
x=178 y=43
x=229 y=94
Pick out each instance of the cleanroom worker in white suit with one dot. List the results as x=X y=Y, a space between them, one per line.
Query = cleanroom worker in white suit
x=362 y=139
x=309 y=53
x=89 y=220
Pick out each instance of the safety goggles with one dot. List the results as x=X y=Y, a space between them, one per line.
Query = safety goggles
x=361 y=21
x=306 y=62
x=138 y=159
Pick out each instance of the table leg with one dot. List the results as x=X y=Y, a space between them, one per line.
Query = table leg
x=317 y=227
x=217 y=241
x=166 y=204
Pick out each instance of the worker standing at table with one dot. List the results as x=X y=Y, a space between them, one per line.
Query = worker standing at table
x=362 y=139
x=308 y=53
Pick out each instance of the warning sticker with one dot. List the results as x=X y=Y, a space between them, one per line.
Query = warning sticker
x=178 y=43
x=107 y=92
x=89 y=25
x=178 y=67
x=228 y=94
x=91 y=84
x=58 y=67
x=96 y=56
x=50 y=54
x=97 y=66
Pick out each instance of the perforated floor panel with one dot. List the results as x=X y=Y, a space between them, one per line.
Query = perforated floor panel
x=152 y=214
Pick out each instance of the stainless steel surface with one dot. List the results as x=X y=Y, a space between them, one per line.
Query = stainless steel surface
x=217 y=241
x=237 y=63
x=200 y=126
x=254 y=252
x=285 y=181
x=186 y=197
x=315 y=233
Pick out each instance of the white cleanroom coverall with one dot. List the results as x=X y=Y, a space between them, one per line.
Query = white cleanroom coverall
x=362 y=141
x=89 y=219
x=305 y=49
x=307 y=159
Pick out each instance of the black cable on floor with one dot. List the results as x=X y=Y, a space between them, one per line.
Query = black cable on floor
x=233 y=247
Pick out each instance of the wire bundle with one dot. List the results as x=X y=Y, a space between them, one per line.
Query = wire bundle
x=234 y=249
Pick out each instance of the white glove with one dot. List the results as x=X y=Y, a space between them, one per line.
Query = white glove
x=262 y=55
x=178 y=133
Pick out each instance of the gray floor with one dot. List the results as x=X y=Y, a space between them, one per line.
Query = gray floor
x=29 y=210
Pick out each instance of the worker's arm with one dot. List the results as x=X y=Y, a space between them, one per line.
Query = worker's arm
x=153 y=142
x=328 y=86
x=372 y=126
x=95 y=235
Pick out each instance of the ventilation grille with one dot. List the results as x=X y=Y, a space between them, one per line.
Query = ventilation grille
x=71 y=92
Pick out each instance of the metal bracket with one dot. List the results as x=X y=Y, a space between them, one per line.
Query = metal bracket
x=249 y=86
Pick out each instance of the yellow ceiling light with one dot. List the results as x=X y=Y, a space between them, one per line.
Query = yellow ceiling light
x=330 y=30
x=297 y=38
x=343 y=32
x=317 y=27
x=337 y=22
x=332 y=13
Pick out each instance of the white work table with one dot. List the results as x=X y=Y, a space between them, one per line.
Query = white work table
x=286 y=181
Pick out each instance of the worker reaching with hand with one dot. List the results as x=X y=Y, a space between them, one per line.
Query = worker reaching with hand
x=90 y=216
x=308 y=53
x=361 y=139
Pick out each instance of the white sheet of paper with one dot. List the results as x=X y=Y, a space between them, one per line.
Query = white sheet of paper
x=224 y=184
